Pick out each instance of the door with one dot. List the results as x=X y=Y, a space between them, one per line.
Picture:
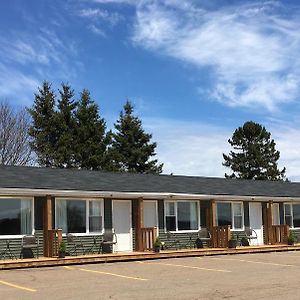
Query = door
x=255 y=216
x=150 y=213
x=122 y=225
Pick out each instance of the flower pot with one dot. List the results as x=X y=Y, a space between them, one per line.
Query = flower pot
x=232 y=244
x=291 y=243
x=61 y=254
x=244 y=242
x=156 y=248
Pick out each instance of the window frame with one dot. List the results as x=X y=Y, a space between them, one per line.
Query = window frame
x=292 y=213
x=87 y=210
x=18 y=236
x=176 y=216
x=232 y=214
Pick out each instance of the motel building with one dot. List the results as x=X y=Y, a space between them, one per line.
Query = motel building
x=81 y=206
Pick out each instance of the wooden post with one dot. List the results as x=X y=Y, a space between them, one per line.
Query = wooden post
x=47 y=224
x=265 y=223
x=212 y=221
x=139 y=224
x=270 y=222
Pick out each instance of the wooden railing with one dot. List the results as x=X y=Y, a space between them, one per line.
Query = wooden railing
x=148 y=238
x=220 y=236
x=280 y=234
x=54 y=239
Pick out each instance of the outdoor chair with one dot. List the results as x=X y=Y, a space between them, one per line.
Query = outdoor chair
x=109 y=239
x=172 y=241
x=75 y=244
x=29 y=243
x=203 y=236
x=251 y=234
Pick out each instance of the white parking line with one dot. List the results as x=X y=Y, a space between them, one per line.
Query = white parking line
x=185 y=266
x=254 y=262
x=17 y=286
x=106 y=273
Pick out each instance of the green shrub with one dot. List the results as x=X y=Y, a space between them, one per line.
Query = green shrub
x=62 y=246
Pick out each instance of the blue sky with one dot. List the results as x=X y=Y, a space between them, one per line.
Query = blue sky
x=195 y=70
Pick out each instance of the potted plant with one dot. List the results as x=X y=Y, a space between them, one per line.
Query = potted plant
x=244 y=241
x=157 y=245
x=232 y=243
x=291 y=238
x=62 y=249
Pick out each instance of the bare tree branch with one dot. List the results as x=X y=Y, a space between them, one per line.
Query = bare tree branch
x=14 y=139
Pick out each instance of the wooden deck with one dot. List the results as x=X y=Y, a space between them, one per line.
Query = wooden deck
x=132 y=256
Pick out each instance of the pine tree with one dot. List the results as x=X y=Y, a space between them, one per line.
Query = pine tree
x=90 y=134
x=254 y=155
x=131 y=149
x=65 y=120
x=42 y=130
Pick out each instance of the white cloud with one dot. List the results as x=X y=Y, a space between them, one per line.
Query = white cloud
x=287 y=140
x=96 y=15
x=189 y=148
x=132 y=2
x=97 y=30
x=17 y=85
x=252 y=49
x=32 y=58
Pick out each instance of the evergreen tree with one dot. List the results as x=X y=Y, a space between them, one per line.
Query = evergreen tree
x=131 y=149
x=42 y=130
x=65 y=120
x=91 y=140
x=254 y=155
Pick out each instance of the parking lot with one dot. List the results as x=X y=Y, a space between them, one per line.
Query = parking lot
x=245 y=276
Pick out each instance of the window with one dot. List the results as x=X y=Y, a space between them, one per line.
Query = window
x=170 y=216
x=237 y=215
x=16 y=216
x=79 y=216
x=288 y=216
x=230 y=213
x=95 y=216
x=224 y=214
x=296 y=215
x=182 y=215
x=292 y=215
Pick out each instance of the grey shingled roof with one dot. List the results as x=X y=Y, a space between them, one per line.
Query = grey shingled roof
x=61 y=179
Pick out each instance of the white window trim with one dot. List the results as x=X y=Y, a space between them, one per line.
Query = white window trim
x=292 y=214
x=232 y=215
x=87 y=207
x=175 y=207
x=18 y=236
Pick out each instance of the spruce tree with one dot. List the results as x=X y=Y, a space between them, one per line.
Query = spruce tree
x=42 y=130
x=91 y=140
x=65 y=120
x=131 y=149
x=254 y=155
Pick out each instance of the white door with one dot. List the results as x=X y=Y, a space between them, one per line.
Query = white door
x=150 y=214
x=122 y=225
x=255 y=215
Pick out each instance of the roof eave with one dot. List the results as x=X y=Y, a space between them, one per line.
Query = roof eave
x=134 y=195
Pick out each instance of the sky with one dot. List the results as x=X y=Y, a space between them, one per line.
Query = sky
x=195 y=70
